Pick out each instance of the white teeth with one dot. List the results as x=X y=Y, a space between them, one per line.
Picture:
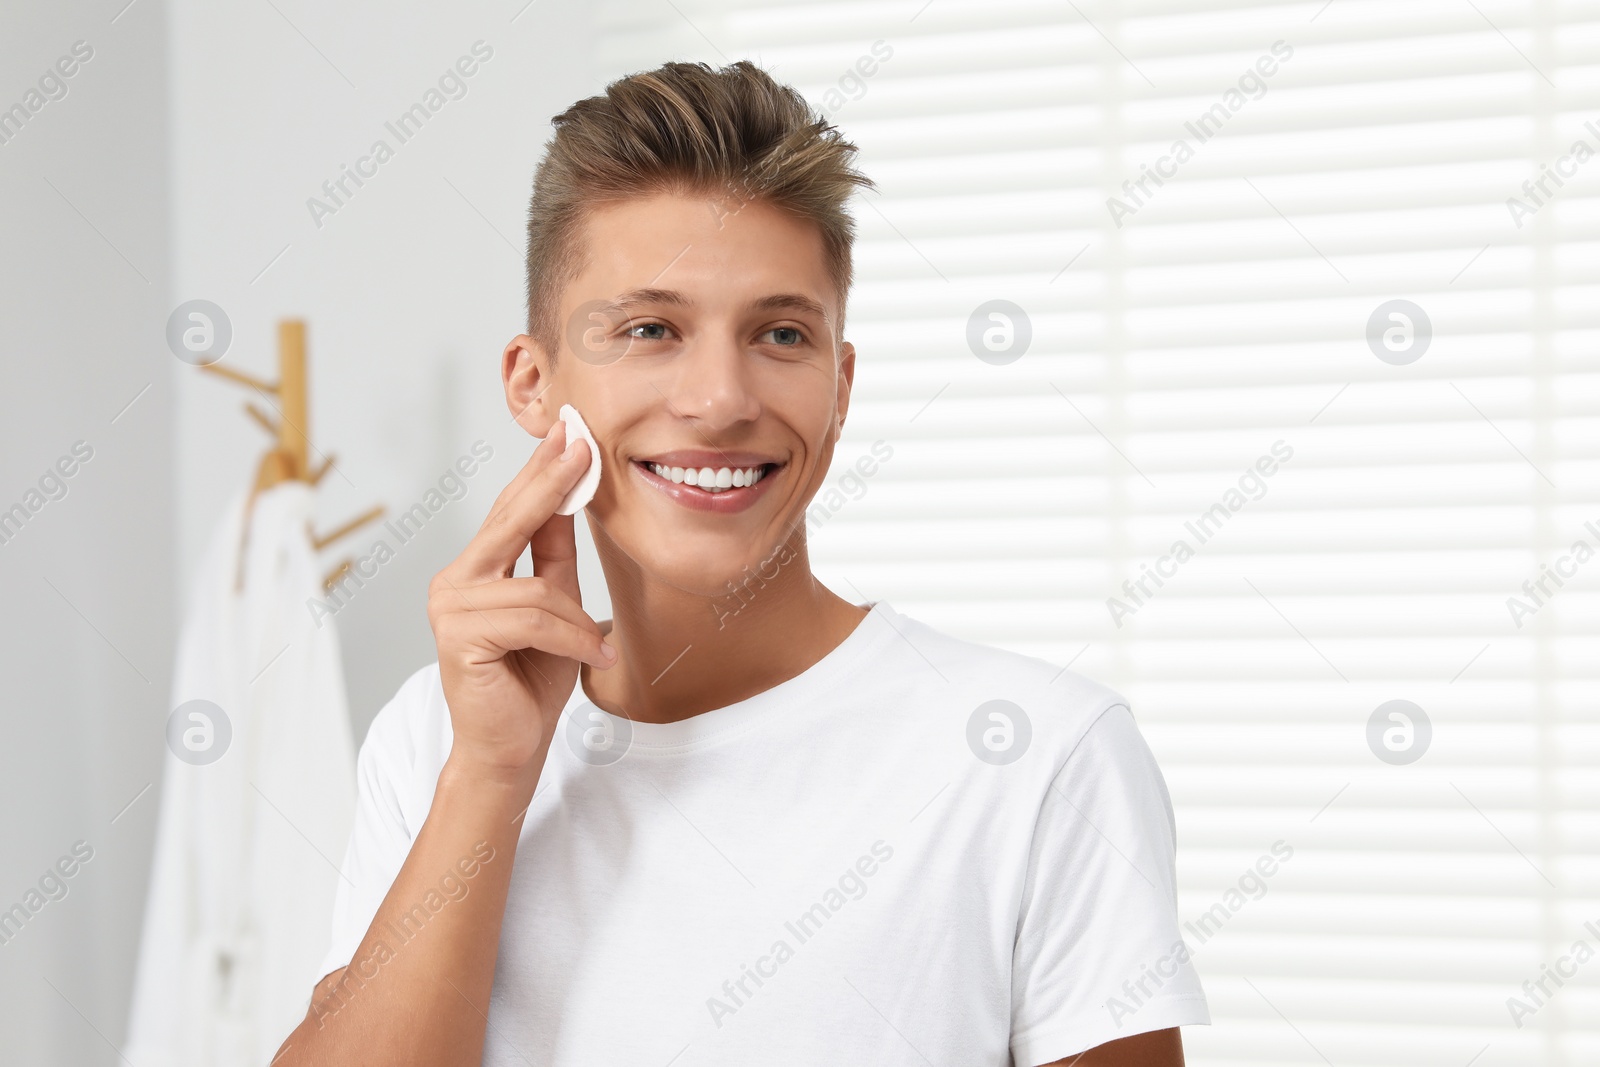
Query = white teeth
x=713 y=481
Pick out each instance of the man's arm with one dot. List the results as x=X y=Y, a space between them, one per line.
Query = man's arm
x=423 y=999
x=1158 y=1048
x=416 y=992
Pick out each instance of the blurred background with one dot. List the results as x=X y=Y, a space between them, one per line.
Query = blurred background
x=1311 y=289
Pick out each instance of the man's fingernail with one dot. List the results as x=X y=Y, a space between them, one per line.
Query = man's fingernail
x=607 y=651
x=567 y=454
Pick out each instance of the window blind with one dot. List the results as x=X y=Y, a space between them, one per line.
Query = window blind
x=1374 y=496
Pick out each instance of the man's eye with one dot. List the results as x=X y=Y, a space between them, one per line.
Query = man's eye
x=784 y=335
x=648 y=331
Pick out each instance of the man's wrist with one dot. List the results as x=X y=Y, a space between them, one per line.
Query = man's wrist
x=488 y=788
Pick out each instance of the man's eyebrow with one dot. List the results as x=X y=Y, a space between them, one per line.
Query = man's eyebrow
x=791 y=302
x=631 y=299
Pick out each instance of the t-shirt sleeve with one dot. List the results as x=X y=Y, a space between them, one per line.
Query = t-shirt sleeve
x=1099 y=955
x=380 y=838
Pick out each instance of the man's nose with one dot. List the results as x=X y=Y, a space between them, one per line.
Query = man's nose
x=714 y=384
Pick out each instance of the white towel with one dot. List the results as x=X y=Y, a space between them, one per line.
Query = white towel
x=247 y=846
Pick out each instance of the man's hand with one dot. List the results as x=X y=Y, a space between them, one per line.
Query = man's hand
x=509 y=648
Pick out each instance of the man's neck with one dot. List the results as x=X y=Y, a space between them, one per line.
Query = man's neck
x=681 y=654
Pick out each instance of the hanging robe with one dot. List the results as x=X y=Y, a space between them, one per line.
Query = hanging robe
x=248 y=841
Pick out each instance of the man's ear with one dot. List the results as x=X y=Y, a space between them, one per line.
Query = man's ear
x=847 y=377
x=525 y=371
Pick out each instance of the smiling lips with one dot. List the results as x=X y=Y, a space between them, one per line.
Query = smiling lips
x=712 y=480
x=709 y=481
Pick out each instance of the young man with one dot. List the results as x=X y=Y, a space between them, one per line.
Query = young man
x=744 y=821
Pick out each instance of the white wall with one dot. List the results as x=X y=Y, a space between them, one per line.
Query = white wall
x=86 y=631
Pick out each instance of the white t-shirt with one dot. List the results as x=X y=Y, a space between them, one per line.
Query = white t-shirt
x=918 y=851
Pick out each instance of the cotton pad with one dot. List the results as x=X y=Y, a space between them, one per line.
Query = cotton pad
x=576 y=500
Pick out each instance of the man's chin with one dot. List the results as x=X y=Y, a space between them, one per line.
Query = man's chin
x=728 y=575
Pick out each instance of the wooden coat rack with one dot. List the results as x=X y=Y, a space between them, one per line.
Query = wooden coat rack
x=289 y=458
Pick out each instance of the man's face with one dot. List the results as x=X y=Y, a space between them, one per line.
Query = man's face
x=699 y=336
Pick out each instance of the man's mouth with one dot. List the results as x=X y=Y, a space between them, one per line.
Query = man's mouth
x=711 y=479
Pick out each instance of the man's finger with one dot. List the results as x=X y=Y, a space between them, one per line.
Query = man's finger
x=499 y=631
x=543 y=454
x=494 y=551
x=511 y=593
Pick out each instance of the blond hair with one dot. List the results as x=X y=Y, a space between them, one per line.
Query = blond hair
x=686 y=128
